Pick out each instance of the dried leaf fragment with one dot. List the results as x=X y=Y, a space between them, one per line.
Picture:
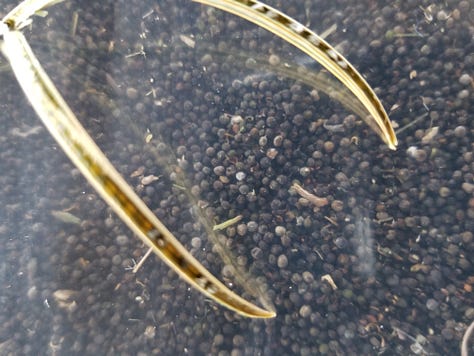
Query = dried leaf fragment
x=149 y=179
x=65 y=298
x=66 y=217
x=329 y=279
x=188 y=41
x=430 y=134
x=227 y=223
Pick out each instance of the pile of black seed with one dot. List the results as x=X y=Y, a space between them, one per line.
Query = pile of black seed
x=168 y=89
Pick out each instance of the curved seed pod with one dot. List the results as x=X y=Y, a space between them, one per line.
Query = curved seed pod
x=310 y=43
x=94 y=165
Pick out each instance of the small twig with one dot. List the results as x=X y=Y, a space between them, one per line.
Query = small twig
x=465 y=340
x=142 y=261
x=332 y=221
x=140 y=52
x=75 y=20
x=227 y=223
x=419 y=118
x=317 y=201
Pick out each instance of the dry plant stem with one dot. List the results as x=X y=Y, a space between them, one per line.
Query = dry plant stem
x=93 y=164
x=20 y=16
x=313 y=45
x=465 y=340
x=142 y=261
x=101 y=174
x=316 y=201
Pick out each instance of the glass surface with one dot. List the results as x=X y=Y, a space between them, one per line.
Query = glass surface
x=199 y=109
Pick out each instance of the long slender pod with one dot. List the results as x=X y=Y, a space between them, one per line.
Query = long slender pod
x=94 y=165
x=314 y=79
x=310 y=43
